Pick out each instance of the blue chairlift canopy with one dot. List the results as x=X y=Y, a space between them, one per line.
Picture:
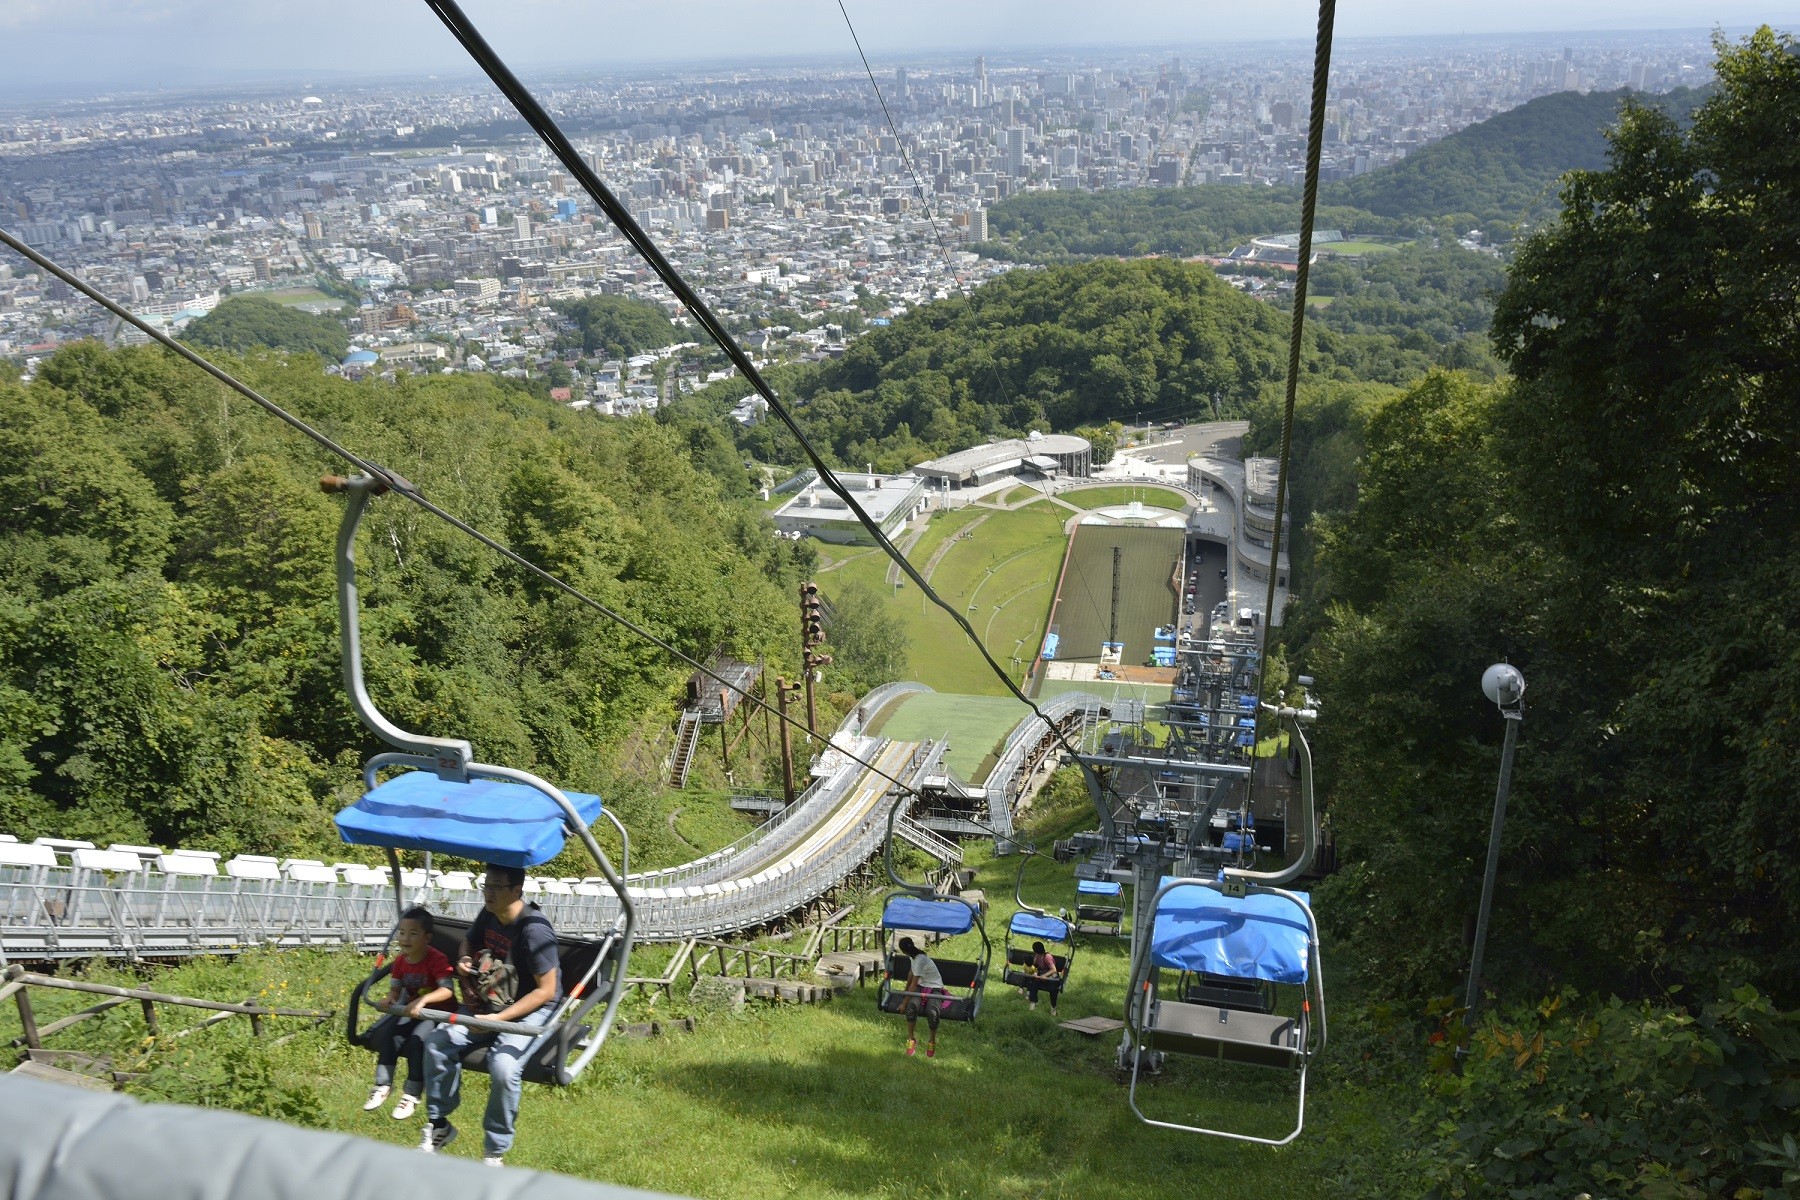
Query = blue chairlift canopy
x=933 y=916
x=1249 y=937
x=1098 y=887
x=488 y=820
x=1031 y=925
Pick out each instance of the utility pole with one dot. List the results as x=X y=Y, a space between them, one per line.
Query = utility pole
x=783 y=692
x=812 y=635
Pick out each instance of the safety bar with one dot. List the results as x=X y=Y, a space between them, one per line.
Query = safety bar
x=482 y=1024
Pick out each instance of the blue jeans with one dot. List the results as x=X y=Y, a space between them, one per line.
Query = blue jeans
x=505 y=1058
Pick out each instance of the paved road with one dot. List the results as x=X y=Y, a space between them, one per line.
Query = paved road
x=1222 y=439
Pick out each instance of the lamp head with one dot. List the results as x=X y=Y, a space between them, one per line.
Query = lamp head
x=1503 y=684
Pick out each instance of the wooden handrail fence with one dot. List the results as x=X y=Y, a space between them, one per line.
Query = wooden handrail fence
x=19 y=982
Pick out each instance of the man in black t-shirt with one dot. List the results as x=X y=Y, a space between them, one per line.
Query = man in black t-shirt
x=507 y=933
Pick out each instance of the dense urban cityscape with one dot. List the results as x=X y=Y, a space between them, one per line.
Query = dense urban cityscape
x=782 y=192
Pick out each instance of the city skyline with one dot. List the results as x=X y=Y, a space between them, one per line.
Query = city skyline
x=88 y=46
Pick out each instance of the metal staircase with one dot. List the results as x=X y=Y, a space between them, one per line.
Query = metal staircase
x=687 y=740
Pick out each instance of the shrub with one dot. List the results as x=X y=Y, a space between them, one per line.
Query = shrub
x=1616 y=1099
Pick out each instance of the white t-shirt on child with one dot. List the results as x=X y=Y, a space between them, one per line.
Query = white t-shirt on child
x=925 y=972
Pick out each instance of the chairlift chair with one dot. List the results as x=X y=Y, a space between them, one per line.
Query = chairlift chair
x=945 y=916
x=1029 y=924
x=918 y=907
x=1227 y=947
x=447 y=804
x=1099 y=907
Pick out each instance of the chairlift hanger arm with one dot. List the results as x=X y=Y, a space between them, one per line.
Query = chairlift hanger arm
x=449 y=757
x=1309 y=825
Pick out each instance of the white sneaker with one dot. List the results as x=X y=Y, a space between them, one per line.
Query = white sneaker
x=436 y=1137
x=377 y=1098
x=408 y=1105
x=493 y=1160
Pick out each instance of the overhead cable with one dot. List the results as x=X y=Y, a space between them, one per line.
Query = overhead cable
x=410 y=491
x=1309 y=203
x=465 y=32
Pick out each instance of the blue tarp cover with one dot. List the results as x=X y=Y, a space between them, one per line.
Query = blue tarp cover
x=1239 y=841
x=1098 y=887
x=1051 y=641
x=933 y=916
x=1255 y=937
x=1031 y=925
x=490 y=821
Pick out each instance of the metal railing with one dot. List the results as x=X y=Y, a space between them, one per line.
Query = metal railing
x=64 y=911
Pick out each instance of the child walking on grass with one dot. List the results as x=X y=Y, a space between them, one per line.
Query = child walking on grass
x=421 y=979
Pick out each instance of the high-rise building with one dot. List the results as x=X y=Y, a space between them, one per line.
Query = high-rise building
x=315 y=232
x=900 y=82
x=1015 y=150
x=978 y=227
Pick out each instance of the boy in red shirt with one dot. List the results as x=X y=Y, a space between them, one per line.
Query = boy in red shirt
x=421 y=979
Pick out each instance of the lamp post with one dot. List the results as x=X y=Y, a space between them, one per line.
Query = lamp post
x=1505 y=686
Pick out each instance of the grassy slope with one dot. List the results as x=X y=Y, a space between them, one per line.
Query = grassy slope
x=818 y=1101
x=976 y=726
x=1006 y=569
x=1106 y=497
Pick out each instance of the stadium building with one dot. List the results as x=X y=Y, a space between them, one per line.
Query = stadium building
x=815 y=511
x=1249 y=489
x=1033 y=457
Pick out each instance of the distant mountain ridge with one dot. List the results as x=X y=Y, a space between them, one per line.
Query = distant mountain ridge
x=1504 y=169
x=1492 y=175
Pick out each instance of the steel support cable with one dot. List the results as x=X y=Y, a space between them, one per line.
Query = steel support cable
x=408 y=490
x=913 y=170
x=464 y=31
x=1309 y=203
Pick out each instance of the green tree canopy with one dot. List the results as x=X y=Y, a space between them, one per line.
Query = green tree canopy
x=246 y=322
x=169 y=662
x=1620 y=520
x=617 y=326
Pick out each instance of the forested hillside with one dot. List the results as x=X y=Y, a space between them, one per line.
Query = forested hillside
x=1500 y=172
x=617 y=326
x=1055 y=226
x=257 y=322
x=1621 y=521
x=1064 y=348
x=1491 y=175
x=168 y=635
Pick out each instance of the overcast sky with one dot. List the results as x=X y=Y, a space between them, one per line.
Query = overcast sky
x=85 y=45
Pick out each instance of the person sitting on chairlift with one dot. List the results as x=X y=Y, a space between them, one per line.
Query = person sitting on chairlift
x=934 y=998
x=509 y=967
x=1043 y=968
x=420 y=979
